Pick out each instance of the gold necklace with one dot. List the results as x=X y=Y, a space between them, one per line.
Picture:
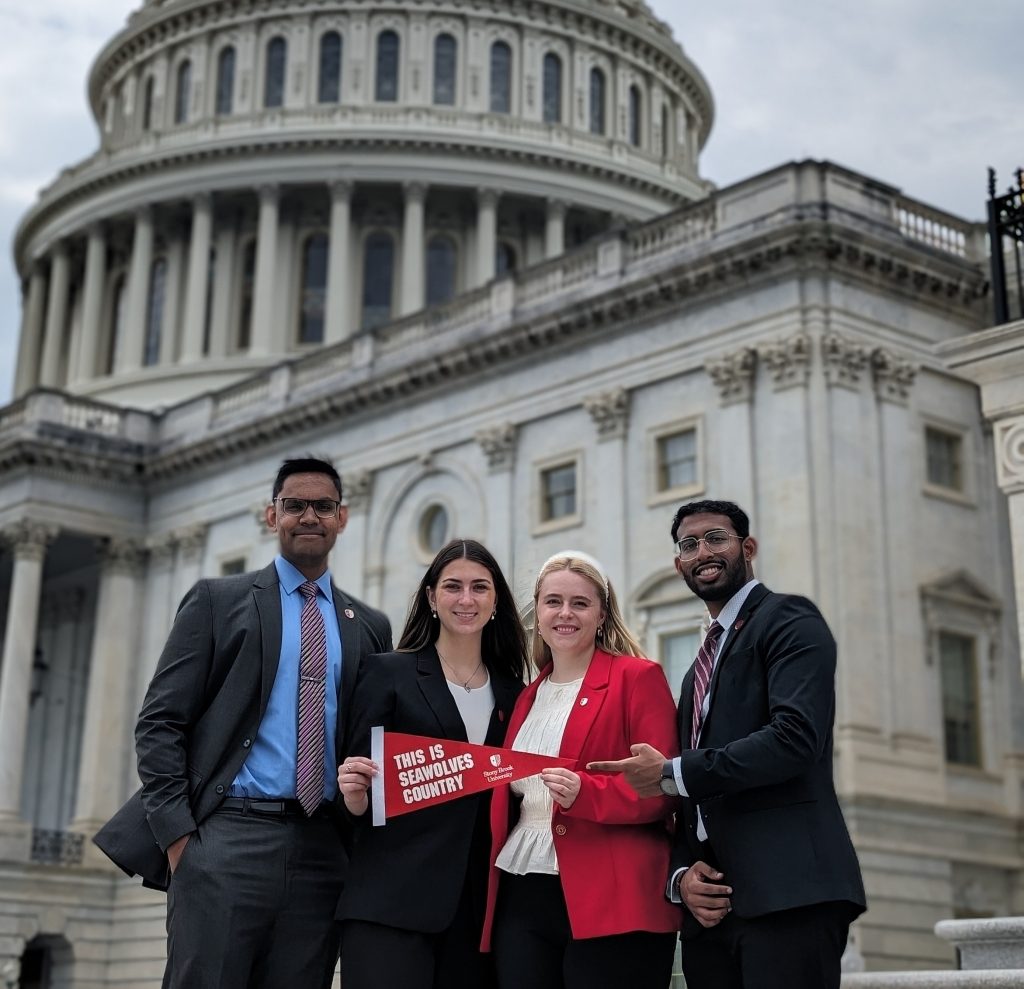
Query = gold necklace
x=464 y=684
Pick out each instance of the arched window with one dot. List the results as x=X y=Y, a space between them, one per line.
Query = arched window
x=147 y=104
x=444 y=70
x=314 y=289
x=155 y=312
x=378 y=270
x=387 y=67
x=597 y=90
x=248 y=287
x=504 y=259
x=116 y=329
x=182 y=92
x=440 y=270
x=552 y=89
x=635 y=116
x=273 y=85
x=501 y=78
x=666 y=120
x=225 y=81
x=329 y=86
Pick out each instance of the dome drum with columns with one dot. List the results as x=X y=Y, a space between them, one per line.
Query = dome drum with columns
x=274 y=178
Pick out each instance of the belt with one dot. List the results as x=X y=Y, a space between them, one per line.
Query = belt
x=270 y=808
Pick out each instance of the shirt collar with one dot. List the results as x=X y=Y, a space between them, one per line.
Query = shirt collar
x=290 y=578
x=734 y=605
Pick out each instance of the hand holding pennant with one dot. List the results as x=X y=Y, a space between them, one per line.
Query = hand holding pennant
x=417 y=771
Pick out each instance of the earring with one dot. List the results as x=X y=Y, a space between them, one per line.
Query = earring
x=494 y=615
x=600 y=632
x=433 y=614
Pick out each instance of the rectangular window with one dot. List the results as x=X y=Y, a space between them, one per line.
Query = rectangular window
x=676 y=652
x=677 y=460
x=558 y=492
x=960 y=715
x=944 y=451
x=234 y=565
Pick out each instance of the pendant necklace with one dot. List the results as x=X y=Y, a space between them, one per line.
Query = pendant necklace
x=464 y=684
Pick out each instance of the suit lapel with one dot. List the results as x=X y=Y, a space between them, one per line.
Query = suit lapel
x=434 y=688
x=504 y=701
x=593 y=692
x=351 y=644
x=267 y=593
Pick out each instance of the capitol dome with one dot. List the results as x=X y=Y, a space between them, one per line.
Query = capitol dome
x=273 y=177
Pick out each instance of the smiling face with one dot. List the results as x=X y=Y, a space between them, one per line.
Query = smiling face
x=306 y=540
x=569 y=613
x=464 y=597
x=715 y=576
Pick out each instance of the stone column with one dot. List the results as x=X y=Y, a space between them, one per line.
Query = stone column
x=27 y=372
x=498 y=444
x=197 y=282
x=105 y=738
x=28 y=542
x=486 y=234
x=609 y=411
x=224 y=287
x=92 y=305
x=554 y=228
x=191 y=543
x=56 y=316
x=170 y=343
x=339 y=284
x=412 y=248
x=1008 y=438
x=264 y=294
x=129 y=351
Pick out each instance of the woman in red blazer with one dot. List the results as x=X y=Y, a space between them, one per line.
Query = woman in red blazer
x=576 y=894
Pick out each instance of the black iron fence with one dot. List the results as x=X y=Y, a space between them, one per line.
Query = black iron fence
x=1006 y=238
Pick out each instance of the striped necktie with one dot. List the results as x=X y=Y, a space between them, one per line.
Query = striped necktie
x=702 y=667
x=309 y=750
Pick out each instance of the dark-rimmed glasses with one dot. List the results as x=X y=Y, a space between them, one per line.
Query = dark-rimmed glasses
x=325 y=508
x=716 y=541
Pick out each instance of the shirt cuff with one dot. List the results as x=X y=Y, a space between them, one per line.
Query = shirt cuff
x=677 y=772
x=672 y=890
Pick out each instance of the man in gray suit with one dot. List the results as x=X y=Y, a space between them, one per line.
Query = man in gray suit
x=238 y=745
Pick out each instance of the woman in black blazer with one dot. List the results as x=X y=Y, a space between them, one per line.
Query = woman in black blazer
x=413 y=903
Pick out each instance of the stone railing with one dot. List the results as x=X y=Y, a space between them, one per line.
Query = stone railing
x=57 y=847
x=935 y=228
x=52 y=408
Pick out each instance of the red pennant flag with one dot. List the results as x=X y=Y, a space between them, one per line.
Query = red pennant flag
x=417 y=771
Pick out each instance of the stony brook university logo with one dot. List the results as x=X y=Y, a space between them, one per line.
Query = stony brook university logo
x=496 y=759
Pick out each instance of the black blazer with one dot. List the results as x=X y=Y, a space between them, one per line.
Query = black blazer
x=763 y=773
x=204 y=707
x=410 y=872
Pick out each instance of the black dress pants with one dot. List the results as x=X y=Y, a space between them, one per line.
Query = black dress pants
x=251 y=904
x=534 y=947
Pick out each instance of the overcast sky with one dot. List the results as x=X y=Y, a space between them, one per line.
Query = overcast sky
x=921 y=94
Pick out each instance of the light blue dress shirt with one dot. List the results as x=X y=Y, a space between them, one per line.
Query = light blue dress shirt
x=269 y=770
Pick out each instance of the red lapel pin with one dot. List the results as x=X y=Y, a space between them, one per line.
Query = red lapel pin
x=501 y=715
x=739 y=624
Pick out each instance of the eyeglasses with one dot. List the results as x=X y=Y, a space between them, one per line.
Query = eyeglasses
x=325 y=508
x=715 y=541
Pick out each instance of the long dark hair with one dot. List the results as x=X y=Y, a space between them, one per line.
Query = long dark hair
x=503 y=645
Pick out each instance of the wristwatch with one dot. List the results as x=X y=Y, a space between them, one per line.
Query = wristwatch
x=668 y=780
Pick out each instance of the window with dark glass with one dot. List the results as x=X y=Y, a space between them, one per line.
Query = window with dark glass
x=273 y=85
x=444 y=70
x=635 y=116
x=433 y=529
x=314 y=289
x=155 y=312
x=440 y=270
x=552 y=89
x=147 y=104
x=504 y=258
x=558 y=492
x=329 y=87
x=665 y=136
x=378 y=271
x=961 y=723
x=597 y=88
x=225 y=81
x=944 y=452
x=248 y=288
x=676 y=651
x=677 y=460
x=232 y=566
x=116 y=328
x=387 y=67
x=182 y=92
x=501 y=78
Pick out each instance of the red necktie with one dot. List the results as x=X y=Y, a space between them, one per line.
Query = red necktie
x=702 y=667
x=309 y=749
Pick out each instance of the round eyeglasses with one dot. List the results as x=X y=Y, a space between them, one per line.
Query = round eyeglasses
x=715 y=541
x=325 y=508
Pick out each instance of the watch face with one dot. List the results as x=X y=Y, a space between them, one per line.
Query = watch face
x=668 y=786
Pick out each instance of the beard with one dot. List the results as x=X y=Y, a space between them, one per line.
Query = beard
x=729 y=581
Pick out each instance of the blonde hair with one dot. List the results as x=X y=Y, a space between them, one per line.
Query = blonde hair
x=613 y=636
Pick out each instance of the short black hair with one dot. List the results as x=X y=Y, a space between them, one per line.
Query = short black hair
x=305 y=465
x=730 y=509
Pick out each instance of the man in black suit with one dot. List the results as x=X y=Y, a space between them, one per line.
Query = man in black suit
x=762 y=861
x=238 y=745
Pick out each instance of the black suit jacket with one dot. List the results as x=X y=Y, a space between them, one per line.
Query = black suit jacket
x=762 y=775
x=204 y=707
x=409 y=873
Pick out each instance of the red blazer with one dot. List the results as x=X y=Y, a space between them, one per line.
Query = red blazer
x=612 y=846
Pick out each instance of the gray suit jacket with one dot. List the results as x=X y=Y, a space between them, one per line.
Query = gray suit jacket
x=204 y=707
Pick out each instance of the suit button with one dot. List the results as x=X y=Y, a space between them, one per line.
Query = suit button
x=560 y=829
x=220 y=788
x=247 y=743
